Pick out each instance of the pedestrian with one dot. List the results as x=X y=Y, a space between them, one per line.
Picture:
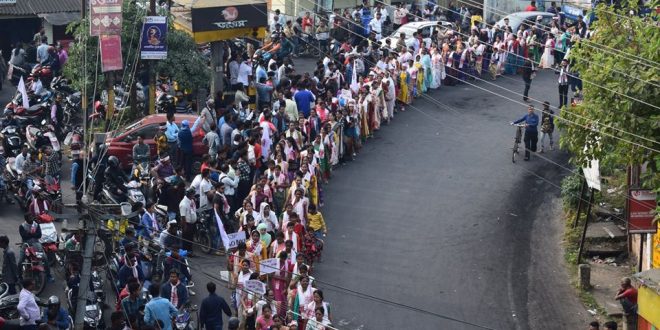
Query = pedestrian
x=627 y=296
x=10 y=271
x=611 y=325
x=185 y=146
x=531 y=133
x=212 y=141
x=547 y=125
x=528 y=74
x=27 y=306
x=159 y=311
x=172 y=134
x=563 y=83
x=594 y=325
x=134 y=303
x=118 y=321
x=188 y=213
x=210 y=312
x=175 y=290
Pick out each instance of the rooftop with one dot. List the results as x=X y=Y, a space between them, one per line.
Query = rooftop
x=35 y=7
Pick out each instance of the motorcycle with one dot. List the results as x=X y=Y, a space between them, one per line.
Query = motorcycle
x=72 y=106
x=202 y=232
x=163 y=101
x=133 y=194
x=37 y=138
x=93 y=318
x=50 y=186
x=184 y=319
x=50 y=241
x=9 y=304
x=12 y=140
x=33 y=266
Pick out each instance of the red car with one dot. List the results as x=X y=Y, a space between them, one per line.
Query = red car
x=121 y=145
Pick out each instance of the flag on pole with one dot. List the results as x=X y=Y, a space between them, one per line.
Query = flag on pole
x=354 y=82
x=21 y=88
x=223 y=233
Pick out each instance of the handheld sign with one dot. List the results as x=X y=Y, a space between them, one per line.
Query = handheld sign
x=255 y=286
x=234 y=238
x=269 y=266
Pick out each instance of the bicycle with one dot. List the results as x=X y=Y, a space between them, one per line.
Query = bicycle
x=516 y=140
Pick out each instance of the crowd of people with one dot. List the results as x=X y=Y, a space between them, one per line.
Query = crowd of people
x=273 y=137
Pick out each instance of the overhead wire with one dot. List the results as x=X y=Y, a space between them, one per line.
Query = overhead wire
x=611 y=50
x=572 y=113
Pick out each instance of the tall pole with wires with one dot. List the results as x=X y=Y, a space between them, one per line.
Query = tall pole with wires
x=152 y=76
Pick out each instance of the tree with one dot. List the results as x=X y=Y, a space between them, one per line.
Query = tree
x=184 y=64
x=618 y=130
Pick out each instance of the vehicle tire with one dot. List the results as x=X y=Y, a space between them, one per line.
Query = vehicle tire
x=205 y=242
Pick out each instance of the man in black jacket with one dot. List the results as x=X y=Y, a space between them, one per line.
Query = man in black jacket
x=9 y=267
x=210 y=313
x=527 y=75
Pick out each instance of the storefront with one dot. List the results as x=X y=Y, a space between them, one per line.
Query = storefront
x=648 y=299
x=21 y=19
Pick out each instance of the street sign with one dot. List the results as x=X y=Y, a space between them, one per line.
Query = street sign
x=153 y=45
x=641 y=211
x=105 y=17
x=110 y=53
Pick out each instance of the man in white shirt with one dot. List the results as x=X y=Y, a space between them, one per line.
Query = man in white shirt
x=202 y=186
x=27 y=306
x=20 y=160
x=230 y=184
x=244 y=73
x=376 y=26
x=188 y=212
x=233 y=72
x=399 y=14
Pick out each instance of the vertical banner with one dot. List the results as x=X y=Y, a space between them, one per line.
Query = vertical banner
x=110 y=53
x=105 y=17
x=153 y=45
x=641 y=211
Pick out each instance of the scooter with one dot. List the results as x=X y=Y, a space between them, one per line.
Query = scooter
x=37 y=137
x=93 y=318
x=50 y=241
x=133 y=194
x=184 y=319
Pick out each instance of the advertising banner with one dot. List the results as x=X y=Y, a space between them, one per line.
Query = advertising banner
x=153 y=45
x=105 y=17
x=641 y=211
x=229 y=17
x=110 y=53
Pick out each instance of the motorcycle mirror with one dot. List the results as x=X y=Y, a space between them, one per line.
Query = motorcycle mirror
x=43 y=122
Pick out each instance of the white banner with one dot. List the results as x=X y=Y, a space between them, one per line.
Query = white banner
x=269 y=266
x=255 y=286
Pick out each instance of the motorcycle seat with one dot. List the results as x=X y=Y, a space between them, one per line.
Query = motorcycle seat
x=34 y=108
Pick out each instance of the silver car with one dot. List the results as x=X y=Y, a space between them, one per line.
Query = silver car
x=529 y=17
x=426 y=28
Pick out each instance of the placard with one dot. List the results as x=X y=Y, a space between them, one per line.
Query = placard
x=641 y=211
x=153 y=45
x=105 y=17
x=235 y=238
x=255 y=286
x=110 y=53
x=269 y=266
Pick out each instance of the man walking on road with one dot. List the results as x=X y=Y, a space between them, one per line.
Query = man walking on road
x=528 y=75
x=9 y=266
x=563 y=84
x=210 y=313
x=531 y=132
x=27 y=306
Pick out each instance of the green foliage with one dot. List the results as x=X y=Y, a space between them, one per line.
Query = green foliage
x=610 y=116
x=183 y=63
x=570 y=190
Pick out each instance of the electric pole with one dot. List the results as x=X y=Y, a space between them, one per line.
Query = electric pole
x=152 y=74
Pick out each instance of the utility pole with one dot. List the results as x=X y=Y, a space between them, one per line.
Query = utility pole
x=110 y=110
x=218 y=67
x=152 y=75
x=86 y=273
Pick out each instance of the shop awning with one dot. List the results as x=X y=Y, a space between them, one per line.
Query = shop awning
x=36 y=7
x=61 y=18
x=213 y=20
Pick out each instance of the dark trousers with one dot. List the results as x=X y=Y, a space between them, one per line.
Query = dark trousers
x=531 y=138
x=563 y=95
x=187 y=160
x=188 y=236
x=528 y=84
x=173 y=147
x=11 y=288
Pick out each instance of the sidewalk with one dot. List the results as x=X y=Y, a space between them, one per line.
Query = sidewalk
x=605 y=280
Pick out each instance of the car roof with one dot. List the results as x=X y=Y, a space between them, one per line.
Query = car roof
x=161 y=118
x=524 y=14
x=422 y=24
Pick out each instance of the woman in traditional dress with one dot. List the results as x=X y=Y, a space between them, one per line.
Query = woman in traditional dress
x=412 y=85
x=512 y=55
x=302 y=293
x=479 y=54
x=421 y=86
x=438 y=68
x=428 y=68
x=548 y=59
x=404 y=93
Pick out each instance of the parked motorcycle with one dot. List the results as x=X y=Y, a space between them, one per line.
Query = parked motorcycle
x=33 y=266
x=37 y=138
x=50 y=242
x=184 y=319
x=133 y=194
x=12 y=140
x=9 y=305
x=202 y=229
x=93 y=318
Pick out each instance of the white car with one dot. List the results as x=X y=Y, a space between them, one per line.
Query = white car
x=426 y=28
x=529 y=17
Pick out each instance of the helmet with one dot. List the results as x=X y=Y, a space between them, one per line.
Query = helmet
x=113 y=161
x=53 y=300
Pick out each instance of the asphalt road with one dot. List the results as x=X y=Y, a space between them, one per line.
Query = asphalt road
x=434 y=216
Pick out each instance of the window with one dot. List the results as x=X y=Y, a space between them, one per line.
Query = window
x=148 y=131
x=426 y=32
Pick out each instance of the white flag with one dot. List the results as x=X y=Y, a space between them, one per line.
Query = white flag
x=223 y=233
x=266 y=141
x=354 y=83
x=21 y=89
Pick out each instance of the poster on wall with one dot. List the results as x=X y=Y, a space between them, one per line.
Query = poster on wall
x=229 y=17
x=641 y=211
x=110 y=53
x=656 y=248
x=105 y=17
x=153 y=45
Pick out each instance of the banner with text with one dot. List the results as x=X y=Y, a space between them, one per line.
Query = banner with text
x=105 y=17
x=110 y=53
x=229 y=17
x=153 y=45
x=641 y=211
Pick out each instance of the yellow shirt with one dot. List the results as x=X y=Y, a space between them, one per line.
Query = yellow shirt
x=316 y=222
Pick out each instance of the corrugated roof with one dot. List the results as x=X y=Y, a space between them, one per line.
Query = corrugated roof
x=35 y=7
